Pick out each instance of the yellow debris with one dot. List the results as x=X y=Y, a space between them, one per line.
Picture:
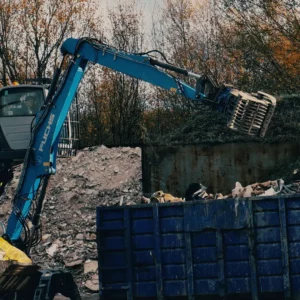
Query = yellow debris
x=9 y=252
x=161 y=197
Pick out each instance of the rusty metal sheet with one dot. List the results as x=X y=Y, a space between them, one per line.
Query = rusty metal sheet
x=217 y=167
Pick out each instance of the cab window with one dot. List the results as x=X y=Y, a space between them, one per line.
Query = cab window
x=20 y=101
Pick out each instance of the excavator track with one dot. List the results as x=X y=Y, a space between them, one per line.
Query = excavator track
x=15 y=278
x=29 y=282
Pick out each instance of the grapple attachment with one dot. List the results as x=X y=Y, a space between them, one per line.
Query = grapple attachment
x=249 y=113
x=246 y=113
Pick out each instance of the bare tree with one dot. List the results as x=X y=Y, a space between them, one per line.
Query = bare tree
x=32 y=31
x=187 y=37
x=126 y=101
x=112 y=112
x=10 y=37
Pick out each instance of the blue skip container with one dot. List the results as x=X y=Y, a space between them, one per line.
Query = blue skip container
x=239 y=249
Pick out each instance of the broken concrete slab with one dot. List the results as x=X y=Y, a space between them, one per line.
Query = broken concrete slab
x=90 y=266
x=92 y=285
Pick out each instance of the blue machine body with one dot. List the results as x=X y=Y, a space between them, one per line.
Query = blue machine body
x=239 y=249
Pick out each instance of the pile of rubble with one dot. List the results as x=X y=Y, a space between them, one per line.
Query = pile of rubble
x=268 y=188
x=197 y=191
x=97 y=176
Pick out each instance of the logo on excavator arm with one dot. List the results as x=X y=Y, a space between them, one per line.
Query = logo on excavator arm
x=47 y=131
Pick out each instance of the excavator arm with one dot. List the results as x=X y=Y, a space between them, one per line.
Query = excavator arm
x=40 y=161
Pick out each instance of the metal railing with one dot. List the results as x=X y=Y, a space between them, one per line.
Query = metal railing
x=69 y=136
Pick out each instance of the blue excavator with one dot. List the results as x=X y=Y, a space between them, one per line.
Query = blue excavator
x=30 y=127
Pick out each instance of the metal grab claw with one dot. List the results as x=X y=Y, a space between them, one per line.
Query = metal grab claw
x=246 y=113
x=249 y=113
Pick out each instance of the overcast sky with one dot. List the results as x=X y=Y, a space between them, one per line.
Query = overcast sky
x=148 y=7
x=147 y=4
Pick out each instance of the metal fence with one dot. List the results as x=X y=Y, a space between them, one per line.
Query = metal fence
x=69 y=136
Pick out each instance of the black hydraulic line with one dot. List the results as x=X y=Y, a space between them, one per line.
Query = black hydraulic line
x=38 y=210
x=53 y=84
x=151 y=51
x=55 y=79
x=37 y=214
x=170 y=67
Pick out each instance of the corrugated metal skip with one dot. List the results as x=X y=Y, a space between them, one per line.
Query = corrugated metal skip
x=235 y=248
x=217 y=167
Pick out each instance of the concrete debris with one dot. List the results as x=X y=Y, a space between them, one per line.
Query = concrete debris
x=197 y=191
x=52 y=250
x=90 y=266
x=73 y=263
x=92 y=285
x=268 y=188
x=46 y=236
x=97 y=176
x=79 y=236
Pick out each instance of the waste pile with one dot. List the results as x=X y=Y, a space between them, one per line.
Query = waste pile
x=97 y=176
x=268 y=188
x=160 y=197
x=197 y=191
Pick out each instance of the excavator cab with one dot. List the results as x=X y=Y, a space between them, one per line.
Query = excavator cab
x=18 y=107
